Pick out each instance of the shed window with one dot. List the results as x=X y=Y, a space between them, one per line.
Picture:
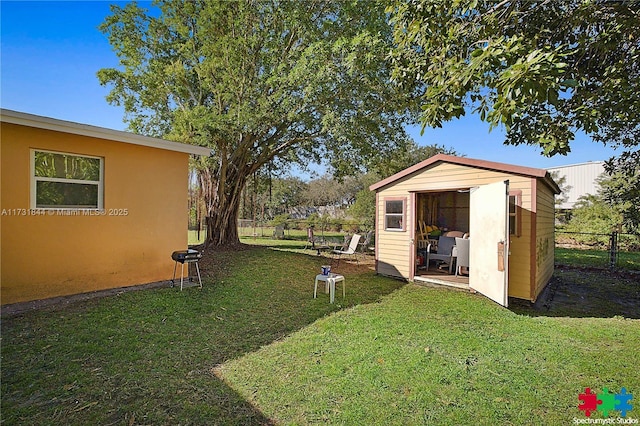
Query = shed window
x=394 y=215
x=66 y=181
x=514 y=212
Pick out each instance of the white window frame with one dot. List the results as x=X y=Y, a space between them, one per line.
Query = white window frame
x=516 y=231
x=35 y=179
x=403 y=215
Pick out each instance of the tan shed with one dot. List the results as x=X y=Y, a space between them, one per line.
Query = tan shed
x=505 y=211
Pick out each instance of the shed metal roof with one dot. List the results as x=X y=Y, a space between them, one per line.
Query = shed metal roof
x=40 y=122
x=471 y=162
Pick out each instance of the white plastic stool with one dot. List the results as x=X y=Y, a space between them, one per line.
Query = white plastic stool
x=330 y=281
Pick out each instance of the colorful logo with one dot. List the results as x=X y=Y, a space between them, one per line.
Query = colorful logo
x=605 y=402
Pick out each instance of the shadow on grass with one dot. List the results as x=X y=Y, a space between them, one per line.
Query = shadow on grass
x=148 y=357
x=586 y=292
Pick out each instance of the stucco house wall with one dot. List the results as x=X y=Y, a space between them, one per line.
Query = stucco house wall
x=58 y=251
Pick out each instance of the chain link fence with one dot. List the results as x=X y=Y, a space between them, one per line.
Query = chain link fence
x=290 y=228
x=294 y=228
x=613 y=250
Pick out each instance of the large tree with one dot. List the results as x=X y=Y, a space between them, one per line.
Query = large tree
x=257 y=81
x=543 y=69
x=621 y=190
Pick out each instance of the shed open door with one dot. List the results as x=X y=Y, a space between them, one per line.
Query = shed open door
x=489 y=241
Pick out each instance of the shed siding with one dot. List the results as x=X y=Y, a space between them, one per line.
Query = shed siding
x=54 y=255
x=519 y=258
x=394 y=248
x=545 y=237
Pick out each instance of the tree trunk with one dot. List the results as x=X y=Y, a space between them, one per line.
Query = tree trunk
x=222 y=228
x=222 y=220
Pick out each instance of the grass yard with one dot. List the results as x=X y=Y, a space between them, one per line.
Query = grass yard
x=254 y=347
x=147 y=357
x=436 y=356
x=596 y=258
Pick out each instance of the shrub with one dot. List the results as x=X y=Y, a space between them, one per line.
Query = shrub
x=281 y=219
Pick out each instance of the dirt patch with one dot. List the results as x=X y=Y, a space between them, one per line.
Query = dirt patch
x=589 y=292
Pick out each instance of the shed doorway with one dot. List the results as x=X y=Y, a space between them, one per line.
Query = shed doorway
x=439 y=213
x=483 y=211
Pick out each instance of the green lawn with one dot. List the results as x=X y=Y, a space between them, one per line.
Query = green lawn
x=597 y=258
x=254 y=347
x=148 y=357
x=435 y=356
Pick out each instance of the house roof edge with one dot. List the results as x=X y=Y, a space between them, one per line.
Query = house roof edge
x=47 y=123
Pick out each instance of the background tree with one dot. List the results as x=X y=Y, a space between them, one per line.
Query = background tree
x=406 y=156
x=287 y=193
x=364 y=207
x=621 y=189
x=561 y=181
x=592 y=216
x=257 y=81
x=542 y=69
x=327 y=191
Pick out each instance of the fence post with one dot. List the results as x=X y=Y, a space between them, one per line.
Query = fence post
x=613 y=250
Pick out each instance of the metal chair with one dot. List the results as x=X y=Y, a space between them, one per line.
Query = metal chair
x=366 y=244
x=351 y=250
x=312 y=240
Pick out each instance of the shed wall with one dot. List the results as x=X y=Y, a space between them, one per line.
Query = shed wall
x=545 y=238
x=53 y=255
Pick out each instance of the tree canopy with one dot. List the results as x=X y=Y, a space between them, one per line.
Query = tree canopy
x=543 y=69
x=621 y=190
x=406 y=156
x=258 y=81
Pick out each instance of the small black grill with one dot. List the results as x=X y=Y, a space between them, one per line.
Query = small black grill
x=185 y=256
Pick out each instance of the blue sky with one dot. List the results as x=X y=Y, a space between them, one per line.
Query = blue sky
x=51 y=51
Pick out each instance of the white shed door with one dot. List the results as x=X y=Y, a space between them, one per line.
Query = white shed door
x=489 y=241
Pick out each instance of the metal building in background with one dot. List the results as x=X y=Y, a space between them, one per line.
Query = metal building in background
x=581 y=180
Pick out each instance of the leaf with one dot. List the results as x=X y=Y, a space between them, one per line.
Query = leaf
x=569 y=83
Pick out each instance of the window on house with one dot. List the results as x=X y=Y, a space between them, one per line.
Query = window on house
x=394 y=215
x=514 y=214
x=66 y=181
